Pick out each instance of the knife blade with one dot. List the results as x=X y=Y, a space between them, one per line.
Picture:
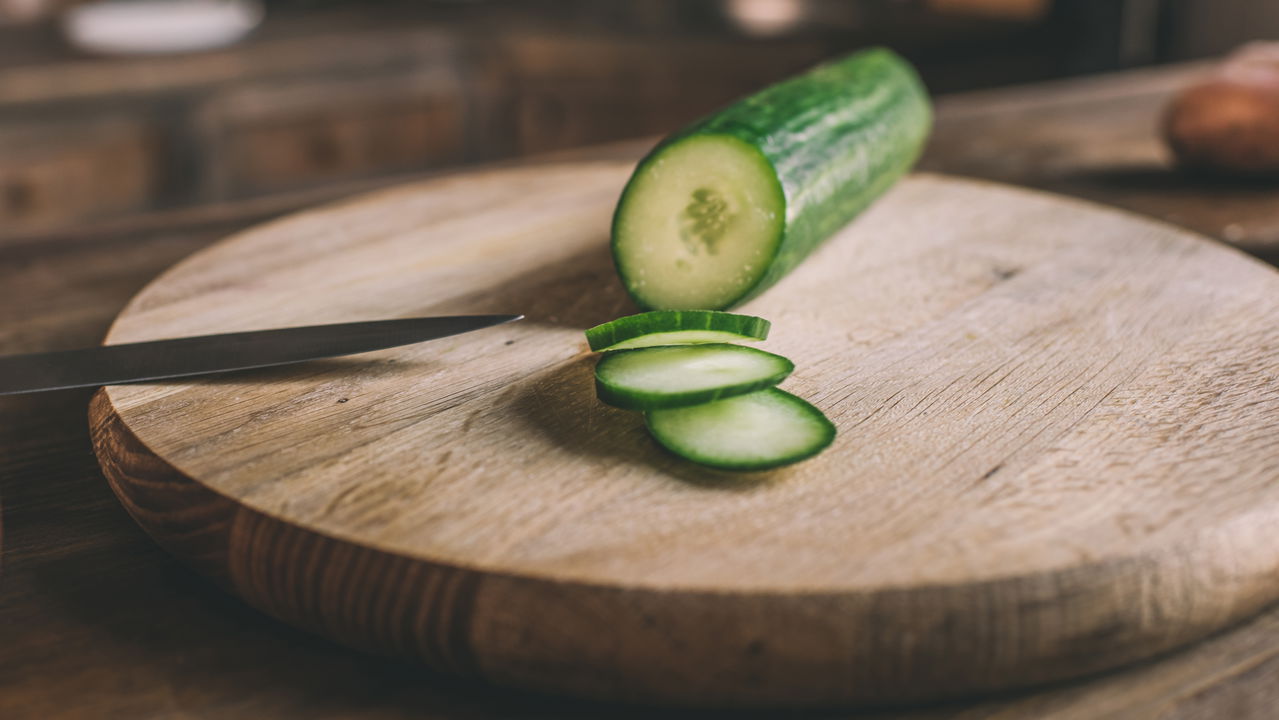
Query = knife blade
x=206 y=354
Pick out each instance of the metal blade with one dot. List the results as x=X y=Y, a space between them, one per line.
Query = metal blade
x=181 y=357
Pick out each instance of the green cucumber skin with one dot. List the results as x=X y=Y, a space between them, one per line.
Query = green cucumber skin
x=601 y=337
x=837 y=137
x=636 y=400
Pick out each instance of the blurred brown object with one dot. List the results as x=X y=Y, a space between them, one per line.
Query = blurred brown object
x=1229 y=123
x=76 y=169
x=28 y=11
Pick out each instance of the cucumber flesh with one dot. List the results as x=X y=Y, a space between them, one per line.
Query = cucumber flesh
x=675 y=327
x=699 y=227
x=757 y=431
x=683 y=375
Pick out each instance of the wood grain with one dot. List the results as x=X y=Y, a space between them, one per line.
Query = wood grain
x=1055 y=452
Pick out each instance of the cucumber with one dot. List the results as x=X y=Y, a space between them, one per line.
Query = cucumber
x=675 y=327
x=756 y=431
x=722 y=210
x=683 y=375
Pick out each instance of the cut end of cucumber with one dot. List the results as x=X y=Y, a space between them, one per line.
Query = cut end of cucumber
x=683 y=375
x=758 y=431
x=698 y=224
x=676 y=327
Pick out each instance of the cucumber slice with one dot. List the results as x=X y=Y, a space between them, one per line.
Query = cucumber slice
x=757 y=431
x=676 y=327
x=683 y=375
x=723 y=209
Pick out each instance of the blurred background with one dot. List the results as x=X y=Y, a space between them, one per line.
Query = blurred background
x=111 y=110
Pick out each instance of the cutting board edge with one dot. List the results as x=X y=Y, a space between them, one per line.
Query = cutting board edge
x=441 y=623
x=1113 y=210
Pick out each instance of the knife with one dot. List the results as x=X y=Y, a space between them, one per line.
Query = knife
x=205 y=354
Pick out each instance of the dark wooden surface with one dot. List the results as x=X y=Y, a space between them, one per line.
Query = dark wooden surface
x=97 y=622
x=1097 y=138
x=338 y=95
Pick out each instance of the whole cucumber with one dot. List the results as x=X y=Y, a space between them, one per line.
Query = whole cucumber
x=720 y=211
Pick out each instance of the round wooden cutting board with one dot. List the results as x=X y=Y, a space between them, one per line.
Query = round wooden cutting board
x=1058 y=449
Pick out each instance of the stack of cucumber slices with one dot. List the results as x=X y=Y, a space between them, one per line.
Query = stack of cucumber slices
x=705 y=399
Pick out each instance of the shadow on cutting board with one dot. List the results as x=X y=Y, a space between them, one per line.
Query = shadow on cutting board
x=560 y=404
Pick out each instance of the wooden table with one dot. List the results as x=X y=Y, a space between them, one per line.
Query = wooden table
x=96 y=621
